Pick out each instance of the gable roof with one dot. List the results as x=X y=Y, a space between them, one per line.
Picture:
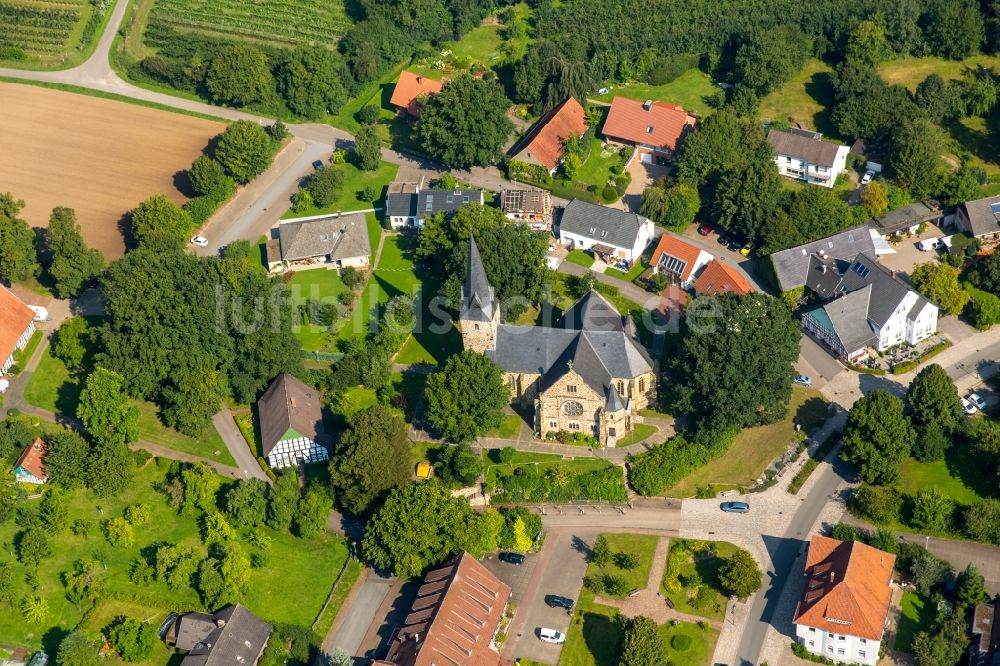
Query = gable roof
x=986 y=630
x=983 y=215
x=720 y=278
x=453 y=619
x=15 y=318
x=804 y=145
x=544 y=141
x=340 y=236
x=791 y=266
x=608 y=226
x=657 y=124
x=409 y=87
x=847 y=588
x=888 y=291
x=847 y=319
x=684 y=254
x=593 y=312
x=33 y=459
x=237 y=637
x=289 y=404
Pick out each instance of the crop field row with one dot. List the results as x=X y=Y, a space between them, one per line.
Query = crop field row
x=39 y=27
x=278 y=22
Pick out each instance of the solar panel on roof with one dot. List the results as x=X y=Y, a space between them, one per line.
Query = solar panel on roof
x=995 y=207
x=860 y=269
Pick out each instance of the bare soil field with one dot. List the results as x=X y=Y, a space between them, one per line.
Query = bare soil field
x=98 y=156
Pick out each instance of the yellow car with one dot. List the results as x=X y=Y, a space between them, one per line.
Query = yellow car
x=745 y=250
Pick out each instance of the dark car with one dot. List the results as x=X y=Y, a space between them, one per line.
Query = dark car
x=555 y=601
x=705 y=229
x=512 y=558
x=735 y=507
x=318 y=164
x=724 y=239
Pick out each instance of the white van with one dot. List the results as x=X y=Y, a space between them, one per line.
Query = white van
x=928 y=244
x=41 y=314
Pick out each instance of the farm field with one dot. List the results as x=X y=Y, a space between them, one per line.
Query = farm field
x=40 y=34
x=94 y=157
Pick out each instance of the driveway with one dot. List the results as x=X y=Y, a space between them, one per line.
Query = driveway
x=517 y=576
x=245 y=458
x=906 y=254
x=349 y=630
x=643 y=175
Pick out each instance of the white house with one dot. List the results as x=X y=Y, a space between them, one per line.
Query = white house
x=409 y=204
x=291 y=423
x=866 y=306
x=17 y=325
x=845 y=604
x=803 y=155
x=613 y=233
x=680 y=261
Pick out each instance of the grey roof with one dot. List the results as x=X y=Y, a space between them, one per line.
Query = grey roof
x=791 y=266
x=907 y=216
x=238 y=639
x=614 y=403
x=193 y=628
x=593 y=312
x=289 y=404
x=887 y=290
x=824 y=275
x=604 y=225
x=339 y=236
x=425 y=203
x=401 y=204
x=478 y=299
x=803 y=146
x=848 y=318
x=983 y=219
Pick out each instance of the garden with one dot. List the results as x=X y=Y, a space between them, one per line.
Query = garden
x=691 y=578
x=515 y=477
x=600 y=178
x=916 y=614
x=692 y=90
x=356 y=189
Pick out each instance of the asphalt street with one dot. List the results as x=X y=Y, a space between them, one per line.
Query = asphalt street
x=351 y=627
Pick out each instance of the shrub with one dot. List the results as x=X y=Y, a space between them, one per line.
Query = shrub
x=609 y=194
x=324 y=185
x=880 y=505
x=616 y=586
x=932 y=509
x=133 y=640
x=368 y=115
x=982 y=521
x=507 y=454
x=844 y=532
x=680 y=642
x=653 y=471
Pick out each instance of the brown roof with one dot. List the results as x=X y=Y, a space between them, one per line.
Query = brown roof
x=984 y=625
x=544 y=142
x=453 y=619
x=718 y=278
x=675 y=247
x=847 y=588
x=411 y=86
x=231 y=637
x=657 y=124
x=289 y=404
x=807 y=146
x=33 y=459
x=15 y=318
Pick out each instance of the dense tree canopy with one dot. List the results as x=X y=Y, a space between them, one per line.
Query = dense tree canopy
x=465 y=398
x=740 y=574
x=311 y=80
x=371 y=458
x=933 y=398
x=160 y=221
x=878 y=436
x=939 y=283
x=17 y=241
x=71 y=265
x=642 y=645
x=105 y=411
x=240 y=75
x=244 y=150
x=368 y=148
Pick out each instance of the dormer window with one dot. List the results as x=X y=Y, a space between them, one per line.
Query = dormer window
x=649 y=130
x=324 y=237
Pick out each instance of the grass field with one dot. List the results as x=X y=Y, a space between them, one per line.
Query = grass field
x=641 y=432
x=509 y=427
x=909 y=72
x=959 y=475
x=51 y=35
x=691 y=90
x=916 y=614
x=698 y=652
x=754 y=448
x=208 y=445
x=807 y=98
x=703 y=567
x=355 y=181
x=99 y=164
x=642 y=546
x=580 y=258
x=595 y=635
x=318 y=285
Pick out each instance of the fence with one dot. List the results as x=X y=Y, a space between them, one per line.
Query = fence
x=322 y=356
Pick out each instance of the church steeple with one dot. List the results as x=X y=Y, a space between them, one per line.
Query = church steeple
x=480 y=312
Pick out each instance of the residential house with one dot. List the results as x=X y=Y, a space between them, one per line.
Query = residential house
x=17 y=325
x=232 y=636
x=543 y=144
x=845 y=604
x=907 y=218
x=453 y=620
x=331 y=241
x=985 y=647
x=291 y=423
x=408 y=204
x=588 y=375
x=531 y=207
x=805 y=156
x=865 y=306
x=610 y=232
x=656 y=129
x=791 y=266
x=30 y=467
x=411 y=90
x=980 y=218
x=719 y=278
x=678 y=260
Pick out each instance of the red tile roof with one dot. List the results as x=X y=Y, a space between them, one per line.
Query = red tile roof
x=675 y=247
x=659 y=124
x=847 y=588
x=453 y=619
x=545 y=140
x=15 y=318
x=33 y=459
x=719 y=278
x=411 y=86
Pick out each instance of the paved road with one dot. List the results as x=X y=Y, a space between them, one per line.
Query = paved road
x=350 y=628
x=237 y=445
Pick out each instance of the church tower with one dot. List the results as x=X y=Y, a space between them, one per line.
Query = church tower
x=480 y=313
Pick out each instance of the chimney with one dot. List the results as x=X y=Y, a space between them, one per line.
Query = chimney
x=892 y=272
x=647 y=105
x=822 y=253
x=220 y=622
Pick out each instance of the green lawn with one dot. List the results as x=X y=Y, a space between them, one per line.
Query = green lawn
x=691 y=90
x=536 y=477
x=693 y=570
x=702 y=646
x=641 y=432
x=320 y=285
x=355 y=181
x=642 y=546
x=393 y=276
x=637 y=269
x=595 y=634
x=597 y=169
x=754 y=448
x=208 y=445
x=807 y=98
x=911 y=71
x=51 y=387
x=354 y=400
x=580 y=258
x=509 y=427
x=22 y=356
x=916 y=614
x=959 y=475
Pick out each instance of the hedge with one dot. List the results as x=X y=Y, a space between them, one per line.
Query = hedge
x=655 y=470
x=983 y=308
x=866 y=371
x=814 y=460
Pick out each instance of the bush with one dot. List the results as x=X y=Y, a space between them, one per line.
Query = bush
x=844 y=532
x=609 y=194
x=368 y=115
x=982 y=521
x=324 y=186
x=653 y=471
x=616 y=586
x=680 y=642
x=880 y=505
x=506 y=454
x=132 y=639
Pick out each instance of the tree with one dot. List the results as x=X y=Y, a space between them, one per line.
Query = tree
x=246 y=503
x=193 y=398
x=138 y=514
x=33 y=547
x=239 y=74
x=207 y=176
x=418 y=526
x=884 y=539
x=132 y=639
x=746 y=197
x=313 y=512
x=934 y=399
x=54 y=509
x=571 y=166
x=486 y=532
x=66 y=458
x=283 y=500
x=466 y=398
x=953 y=28
x=962 y=185
x=767 y=58
x=120 y=533
x=109 y=468
x=642 y=645
x=915 y=156
x=368 y=148
x=937 y=97
x=600 y=554
x=371 y=458
x=466 y=124
x=324 y=185
x=874 y=198
x=844 y=532
x=460 y=465
x=7 y=591
x=982 y=521
x=943 y=646
x=939 y=283
x=931 y=443
x=201 y=484
x=35 y=609
x=971 y=588
x=70 y=342
x=813 y=212
x=79 y=649
x=868 y=44
x=310 y=81
x=105 y=411
x=932 y=509
x=215 y=529
x=71 y=265
x=17 y=242
x=244 y=150
x=674 y=207
x=878 y=436
x=740 y=575
x=880 y=505
x=159 y=220
x=211 y=586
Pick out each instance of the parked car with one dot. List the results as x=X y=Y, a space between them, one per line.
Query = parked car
x=928 y=244
x=734 y=244
x=867 y=178
x=551 y=635
x=705 y=229
x=555 y=601
x=724 y=239
x=968 y=407
x=745 y=250
x=735 y=507
x=318 y=164
x=803 y=380
x=511 y=558
x=200 y=241
x=977 y=400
